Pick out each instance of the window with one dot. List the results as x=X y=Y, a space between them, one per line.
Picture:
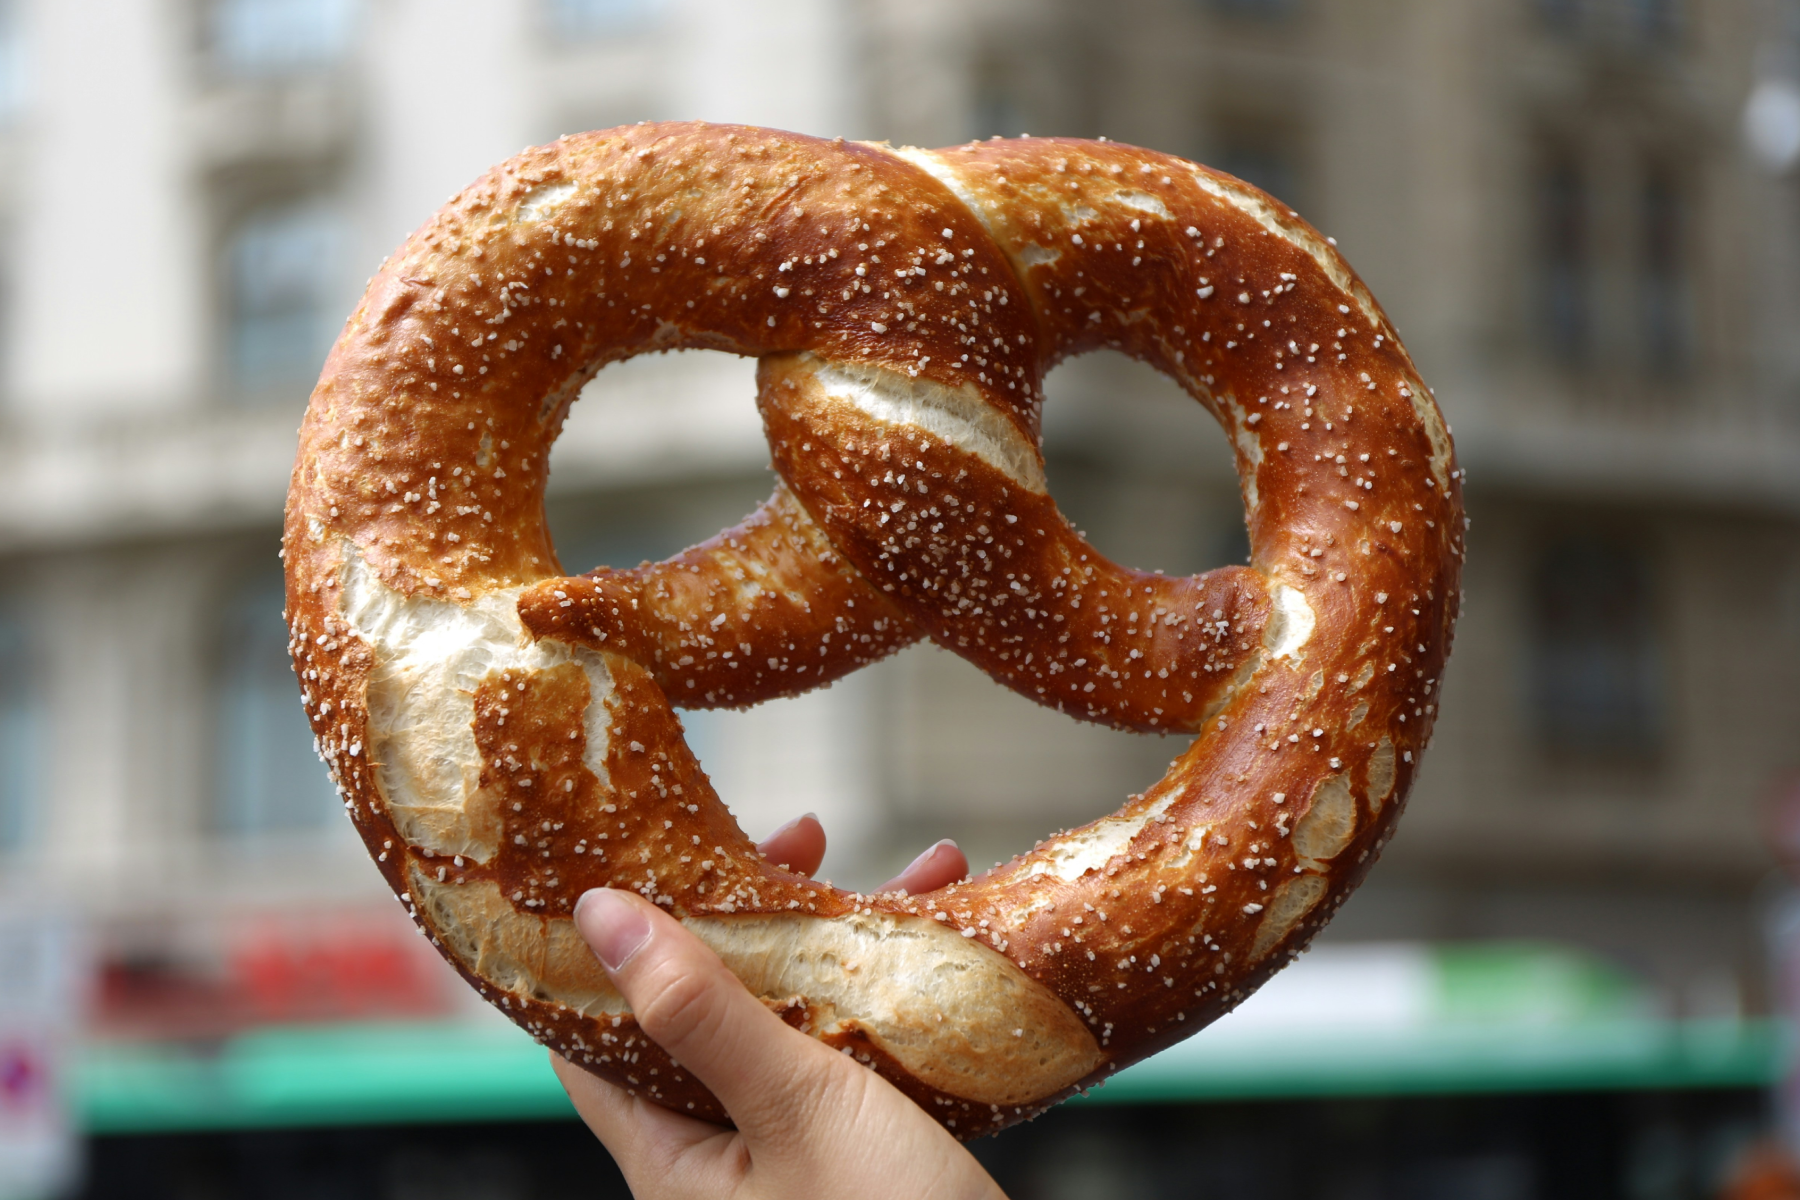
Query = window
x=1619 y=300
x=1265 y=165
x=1262 y=9
x=1260 y=149
x=1651 y=20
x=1644 y=22
x=598 y=18
x=1596 y=664
x=1662 y=291
x=996 y=108
x=21 y=721
x=281 y=267
x=1561 y=15
x=1563 y=282
x=268 y=779
x=252 y=38
x=1231 y=542
x=12 y=62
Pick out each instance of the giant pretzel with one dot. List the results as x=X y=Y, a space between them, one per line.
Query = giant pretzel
x=504 y=736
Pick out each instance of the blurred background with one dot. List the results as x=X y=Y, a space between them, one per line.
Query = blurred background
x=1568 y=975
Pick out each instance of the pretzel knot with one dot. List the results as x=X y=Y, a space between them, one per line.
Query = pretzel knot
x=504 y=736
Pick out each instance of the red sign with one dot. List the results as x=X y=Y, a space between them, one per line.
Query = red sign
x=214 y=978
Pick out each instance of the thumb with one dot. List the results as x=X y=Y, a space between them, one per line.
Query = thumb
x=695 y=1008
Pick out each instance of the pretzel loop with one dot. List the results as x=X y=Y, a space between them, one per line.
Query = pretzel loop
x=505 y=736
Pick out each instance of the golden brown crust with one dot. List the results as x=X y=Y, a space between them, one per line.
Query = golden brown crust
x=504 y=737
x=768 y=608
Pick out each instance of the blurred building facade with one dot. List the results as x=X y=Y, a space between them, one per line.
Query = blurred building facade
x=1551 y=197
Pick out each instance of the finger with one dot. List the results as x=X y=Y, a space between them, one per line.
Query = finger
x=696 y=1009
x=632 y=1129
x=798 y=846
x=649 y=1142
x=939 y=866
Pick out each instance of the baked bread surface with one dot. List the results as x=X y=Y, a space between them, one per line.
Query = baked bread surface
x=504 y=735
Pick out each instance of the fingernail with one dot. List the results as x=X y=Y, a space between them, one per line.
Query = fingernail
x=784 y=828
x=614 y=927
x=929 y=851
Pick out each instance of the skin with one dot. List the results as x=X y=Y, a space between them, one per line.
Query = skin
x=810 y=1122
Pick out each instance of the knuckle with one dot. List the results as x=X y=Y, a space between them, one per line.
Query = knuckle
x=682 y=1007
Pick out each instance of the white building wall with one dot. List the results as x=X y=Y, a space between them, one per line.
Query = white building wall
x=110 y=327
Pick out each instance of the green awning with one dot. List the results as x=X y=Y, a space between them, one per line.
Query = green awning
x=1371 y=1021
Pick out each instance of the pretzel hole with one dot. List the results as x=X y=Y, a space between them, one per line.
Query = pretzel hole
x=658 y=453
x=1140 y=467
x=1144 y=472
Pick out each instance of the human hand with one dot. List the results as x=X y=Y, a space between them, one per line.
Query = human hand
x=810 y=1121
x=800 y=846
